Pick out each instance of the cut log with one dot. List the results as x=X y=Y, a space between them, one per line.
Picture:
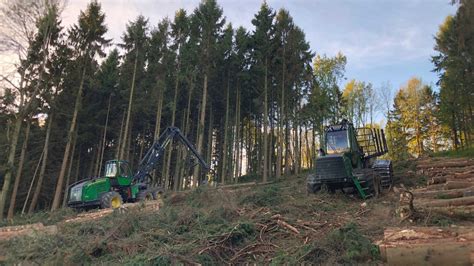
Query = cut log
x=10 y=232
x=457 y=185
x=427 y=246
x=464 y=175
x=465 y=212
x=437 y=180
x=449 y=202
x=441 y=194
x=433 y=187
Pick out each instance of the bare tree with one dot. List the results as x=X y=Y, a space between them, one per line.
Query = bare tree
x=385 y=95
x=17 y=30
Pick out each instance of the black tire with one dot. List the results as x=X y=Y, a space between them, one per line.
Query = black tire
x=385 y=170
x=314 y=188
x=111 y=199
x=377 y=183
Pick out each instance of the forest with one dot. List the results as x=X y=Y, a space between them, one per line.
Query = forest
x=253 y=101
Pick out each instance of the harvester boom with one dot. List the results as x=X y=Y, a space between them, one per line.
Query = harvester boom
x=153 y=155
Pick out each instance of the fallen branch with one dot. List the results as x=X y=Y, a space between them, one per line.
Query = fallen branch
x=288 y=226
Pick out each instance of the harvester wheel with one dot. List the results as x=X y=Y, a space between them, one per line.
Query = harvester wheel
x=377 y=185
x=158 y=194
x=145 y=195
x=111 y=199
x=313 y=188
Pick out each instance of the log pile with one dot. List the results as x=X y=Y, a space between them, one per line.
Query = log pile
x=428 y=246
x=450 y=186
x=9 y=232
x=152 y=205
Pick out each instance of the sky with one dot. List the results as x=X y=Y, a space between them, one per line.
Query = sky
x=384 y=40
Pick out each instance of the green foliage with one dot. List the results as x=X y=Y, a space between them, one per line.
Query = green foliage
x=352 y=245
x=455 y=56
x=413 y=128
x=267 y=197
x=466 y=152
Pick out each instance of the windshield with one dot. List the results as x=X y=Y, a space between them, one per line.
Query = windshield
x=337 y=142
x=111 y=170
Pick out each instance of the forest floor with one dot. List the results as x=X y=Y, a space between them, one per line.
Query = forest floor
x=276 y=223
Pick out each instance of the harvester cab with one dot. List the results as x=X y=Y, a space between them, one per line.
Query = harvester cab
x=348 y=161
x=119 y=184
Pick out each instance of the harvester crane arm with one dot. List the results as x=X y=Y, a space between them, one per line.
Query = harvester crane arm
x=153 y=155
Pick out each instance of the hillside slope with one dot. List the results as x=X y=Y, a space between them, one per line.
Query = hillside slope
x=276 y=223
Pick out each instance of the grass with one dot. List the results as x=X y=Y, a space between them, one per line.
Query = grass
x=466 y=152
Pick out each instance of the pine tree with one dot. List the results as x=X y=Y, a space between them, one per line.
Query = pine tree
x=208 y=23
x=263 y=50
x=88 y=39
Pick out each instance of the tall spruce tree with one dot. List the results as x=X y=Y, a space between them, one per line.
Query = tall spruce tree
x=87 y=37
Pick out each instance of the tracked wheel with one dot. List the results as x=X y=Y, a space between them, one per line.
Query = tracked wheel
x=384 y=169
x=369 y=182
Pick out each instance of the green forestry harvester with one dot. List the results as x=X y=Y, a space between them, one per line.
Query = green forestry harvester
x=348 y=161
x=120 y=185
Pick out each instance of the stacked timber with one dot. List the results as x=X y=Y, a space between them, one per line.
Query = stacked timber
x=450 y=187
x=428 y=246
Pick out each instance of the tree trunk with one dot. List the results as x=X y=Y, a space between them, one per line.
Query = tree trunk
x=129 y=110
x=23 y=108
x=180 y=160
x=97 y=158
x=280 y=127
x=11 y=209
x=173 y=120
x=287 y=147
x=237 y=136
x=10 y=165
x=35 y=197
x=31 y=183
x=68 y=177
x=119 y=145
x=209 y=136
x=265 y=125
x=200 y=131
x=59 y=184
x=76 y=176
x=159 y=110
x=226 y=133
x=104 y=137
